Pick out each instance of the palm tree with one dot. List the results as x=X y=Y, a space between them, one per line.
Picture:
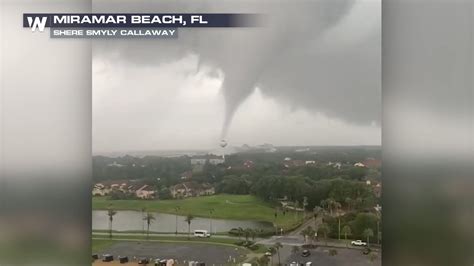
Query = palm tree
x=346 y=230
x=240 y=232
x=325 y=230
x=247 y=233
x=308 y=232
x=176 y=209
x=297 y=204
x=324 y=204
x=211 y=211
x=379 y=234
x=332 y=205
x=358 y=202
x=305 y=204
x=143 y=216
x=149 y=218
x=111 y=212
x=253 y=233
x=304 y=233
x=277 y=247
x=188 y=220
x=349 y=203
x=316 y=211
x=368 y=233
x=337 y=206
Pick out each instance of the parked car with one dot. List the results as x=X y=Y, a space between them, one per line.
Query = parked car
x=358 y=243
x=107 y=257
x=143 y=261
x=160 y=262
x=123 y=259
x=305 y=253
x=201 y=233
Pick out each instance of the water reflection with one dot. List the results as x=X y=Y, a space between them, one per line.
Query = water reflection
x=133 y=221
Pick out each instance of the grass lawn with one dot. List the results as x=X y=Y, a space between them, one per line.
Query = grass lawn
x=233 y=207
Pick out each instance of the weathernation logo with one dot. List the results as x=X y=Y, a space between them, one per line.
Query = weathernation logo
x=37 y=22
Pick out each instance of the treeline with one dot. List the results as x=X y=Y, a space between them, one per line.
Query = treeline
x=169 y=169
x=354 y=226
x=351 y=194
x=152 y=168
x=321 y=154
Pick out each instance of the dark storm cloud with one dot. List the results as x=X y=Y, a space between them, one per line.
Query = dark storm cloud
x=322 y=56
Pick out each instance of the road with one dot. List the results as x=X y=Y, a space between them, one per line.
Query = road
x=347 y=254
x=163 y=235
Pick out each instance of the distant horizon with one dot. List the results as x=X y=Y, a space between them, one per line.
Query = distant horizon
x=207 y=150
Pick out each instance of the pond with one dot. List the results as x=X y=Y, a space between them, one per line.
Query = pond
x=168 y=223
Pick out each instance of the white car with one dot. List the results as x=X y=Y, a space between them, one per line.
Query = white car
x=358 y=243
x=201 y=233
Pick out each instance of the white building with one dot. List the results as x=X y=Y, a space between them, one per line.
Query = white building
x=198 y=161
x=215 y=160
x=145 y=192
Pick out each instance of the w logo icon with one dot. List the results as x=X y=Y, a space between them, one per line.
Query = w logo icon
x=37 y=22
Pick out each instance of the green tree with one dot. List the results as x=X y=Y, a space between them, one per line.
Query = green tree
x=247 y=233
x=379 y=233
x=143 y=216
x=349 y=203
x=305 y=204
x=324 y=230
x=189 y=218
x=277 y=247
x=330 y=205
x=111 y=213
x=346 y=231
x=316 y=212
x=368 y=233
x=149 y=218
x=308 y=232
x=176 y=209
x=211 y=211
x=363 y=221
x=297 y=204
x=240 y=232
x=253 y=233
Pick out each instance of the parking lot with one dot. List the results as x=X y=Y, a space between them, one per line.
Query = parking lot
x=344 y=257
x=209 y=253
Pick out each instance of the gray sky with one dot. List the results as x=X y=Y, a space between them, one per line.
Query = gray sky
x=313 y=79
